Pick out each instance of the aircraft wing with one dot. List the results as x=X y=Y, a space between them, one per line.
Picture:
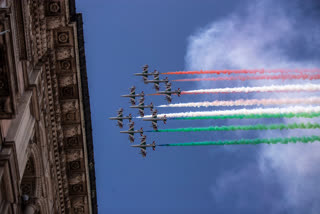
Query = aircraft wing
x=131 y=138
x=154 y=125
x=143 y=152
x=120 y=124
x=143 y=144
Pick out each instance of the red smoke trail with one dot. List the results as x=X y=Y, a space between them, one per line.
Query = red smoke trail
x=271 y=88
x=261 y=77
x=285 y=91
x=256 y=71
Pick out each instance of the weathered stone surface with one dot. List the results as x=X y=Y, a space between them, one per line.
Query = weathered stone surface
x=44 y=149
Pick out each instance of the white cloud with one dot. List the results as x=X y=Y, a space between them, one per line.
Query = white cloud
x=265 y=37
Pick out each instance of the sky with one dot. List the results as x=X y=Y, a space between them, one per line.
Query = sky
x=169 y=35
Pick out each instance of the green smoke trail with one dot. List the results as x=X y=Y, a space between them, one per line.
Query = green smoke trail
x=252 y=116
x=304 y=139
x=249 y=127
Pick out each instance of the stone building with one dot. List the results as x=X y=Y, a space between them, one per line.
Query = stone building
x=46 y=148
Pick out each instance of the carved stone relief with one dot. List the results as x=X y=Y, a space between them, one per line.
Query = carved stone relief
x=65 y=65
x=78 y=205
x=76 y=178
x=63 y=37
x=53 y=8
x=77 y=189
x=74 y=154
x=67 y=79
x=71 y=130
x=75 y=166
x=64 y=53
x=73 y=142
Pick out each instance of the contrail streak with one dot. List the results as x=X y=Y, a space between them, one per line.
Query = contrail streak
x=272 y=88
x=242 y=102
x=262 y=77
x=244 y=128
x=294 y=111
x=255 y=71
x=303 y=139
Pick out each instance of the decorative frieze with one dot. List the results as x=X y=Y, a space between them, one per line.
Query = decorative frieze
x=46 y=44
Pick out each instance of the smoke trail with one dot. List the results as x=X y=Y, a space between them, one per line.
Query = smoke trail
x=294 y=111
x=257 y=71
x=262 y=77
x=303 y=139
x=252 y=116
x=249 y=127
x=272 y=88
x=242 y=102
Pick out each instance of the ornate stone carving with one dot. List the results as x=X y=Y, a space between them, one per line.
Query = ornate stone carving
x=64 y=53
x=70 y=105
x=73 y=142
x=63 y=37
x=70 y=117
x=67 y=79
x=78 y=205
x=68 y=92
x=65 y=65
x=73 y=155
x=70 y=111
x=76 y=178
x=75 y=166
x=53 y=8
x=79 y=209
x=71 y=130
x=77 y=188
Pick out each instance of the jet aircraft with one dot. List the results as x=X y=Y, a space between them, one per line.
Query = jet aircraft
x=157 y=81
x=169 y=93
x=143 y=146
x=131 y=132
x=133 y=95
x=120 y=118
x=144 y=73
x=154 y=119
x=141 y=108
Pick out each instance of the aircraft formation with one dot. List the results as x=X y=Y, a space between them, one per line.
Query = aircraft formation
x=154 y=119
x=292 y=100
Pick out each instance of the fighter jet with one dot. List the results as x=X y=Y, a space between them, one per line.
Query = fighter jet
x=141 y=106
x=169 y=93
x=133 y=95
x=144 y=73
x=143 y=146
x=154 y=119
x=157 y=81
x=120 y=118
x=131 y=132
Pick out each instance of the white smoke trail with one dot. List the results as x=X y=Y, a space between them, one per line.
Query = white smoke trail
x=293 y=109
x=272 y=88
x=243 y=102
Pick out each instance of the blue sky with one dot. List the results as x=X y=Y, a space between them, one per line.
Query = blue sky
x=121 y=36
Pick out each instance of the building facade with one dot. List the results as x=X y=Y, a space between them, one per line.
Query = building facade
x=46 y=147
